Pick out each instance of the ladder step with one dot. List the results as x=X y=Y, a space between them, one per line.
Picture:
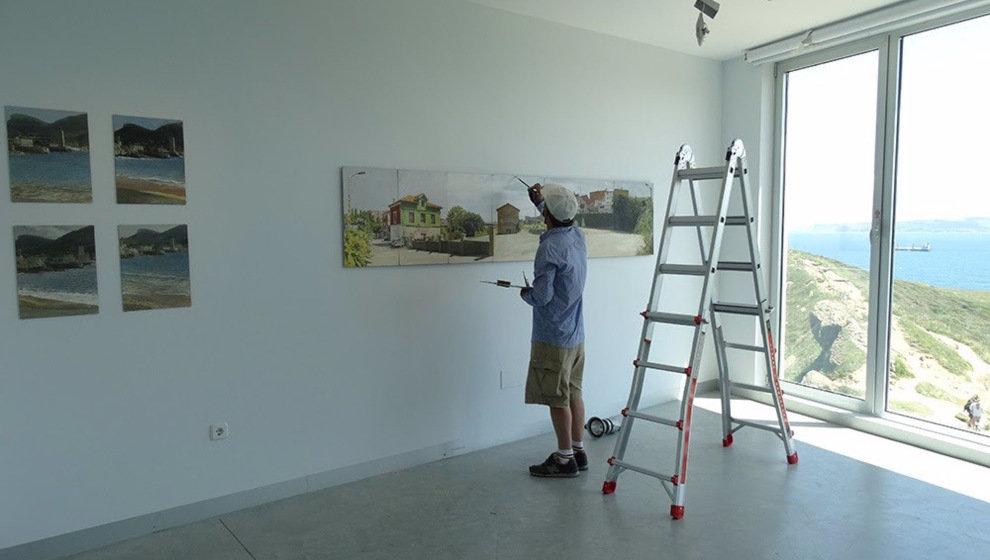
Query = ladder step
x=655 y=419
x=663 y=367
x=736 y=308
x=685 y=269
x=742 y=266
x=695 y=221
x=672 y=318
x=703 y=173
x=750 y=347
x=622 y=464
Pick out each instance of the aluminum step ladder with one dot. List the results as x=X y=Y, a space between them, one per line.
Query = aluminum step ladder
x=710 y=229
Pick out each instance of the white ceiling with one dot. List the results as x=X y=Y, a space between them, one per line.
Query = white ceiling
x=739 y=25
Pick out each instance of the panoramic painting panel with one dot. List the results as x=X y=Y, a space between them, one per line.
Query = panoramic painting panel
x=419 y=210
x=617 y=217
x=154 y=266
x=149 y=160
x=469 y=227
x=48 y=152
x=518 y=223
x=369 y=195
x=56 y=271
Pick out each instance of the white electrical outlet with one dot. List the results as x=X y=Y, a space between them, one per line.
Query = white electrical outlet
x=219 y=431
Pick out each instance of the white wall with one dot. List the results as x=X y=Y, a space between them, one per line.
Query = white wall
x=315 y=368
x=747 y=113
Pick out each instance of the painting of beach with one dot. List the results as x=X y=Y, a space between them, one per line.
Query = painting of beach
x=149 y=160
x=48 y=152
x=154 y=266
x=56 y=271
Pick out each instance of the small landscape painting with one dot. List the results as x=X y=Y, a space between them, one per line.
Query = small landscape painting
x=56 y=271
x=154 y=266
x=48 y=152
x=149 y=160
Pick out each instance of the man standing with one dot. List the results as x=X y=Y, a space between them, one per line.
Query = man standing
x=556 y=363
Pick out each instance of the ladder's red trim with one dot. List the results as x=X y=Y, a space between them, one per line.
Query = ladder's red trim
x=687 y=430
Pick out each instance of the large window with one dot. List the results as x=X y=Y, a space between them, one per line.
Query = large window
x=885 y=226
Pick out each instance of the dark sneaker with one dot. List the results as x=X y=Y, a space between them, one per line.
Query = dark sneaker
x=552 y=469
x=581 y=458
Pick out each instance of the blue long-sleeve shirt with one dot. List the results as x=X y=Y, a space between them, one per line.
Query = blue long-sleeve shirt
x=560 y=268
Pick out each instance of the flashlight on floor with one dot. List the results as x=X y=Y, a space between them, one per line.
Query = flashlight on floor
x=599 y=427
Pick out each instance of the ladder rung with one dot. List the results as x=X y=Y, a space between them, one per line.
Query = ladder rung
x=685 y=269
x=706 y=220
x=749 y=387
x=736 y=308
x=767 y=427
x=663 y=367
x=672 y=318
x=743 y=266
x=749 y=347
x=656 y=419
x=693 y=220
x=641 y=470
x=703 y=173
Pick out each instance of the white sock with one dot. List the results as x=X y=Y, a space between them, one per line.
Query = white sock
x=577 y=445
x=564 y=456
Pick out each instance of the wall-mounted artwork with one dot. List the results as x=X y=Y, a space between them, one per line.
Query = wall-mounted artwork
x=56 y=271
x=48 y=151
x=399 y=217
x=149 y=160
x=154 y=266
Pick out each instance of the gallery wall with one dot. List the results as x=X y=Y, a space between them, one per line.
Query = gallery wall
x=316 y=369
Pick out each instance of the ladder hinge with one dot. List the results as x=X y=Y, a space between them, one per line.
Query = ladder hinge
x=611 y=460
x=679 y=425
x=625 y=411
x=674 y=480
x=687 y=371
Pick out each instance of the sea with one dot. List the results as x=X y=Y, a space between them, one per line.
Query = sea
x=159 y=170
x=150 y=275
x=76 y=285
x=956 y=259
x=68 y=170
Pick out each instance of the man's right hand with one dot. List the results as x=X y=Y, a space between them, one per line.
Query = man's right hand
x=535 y=196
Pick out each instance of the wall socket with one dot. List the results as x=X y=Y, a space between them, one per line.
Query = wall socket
x=219 y=431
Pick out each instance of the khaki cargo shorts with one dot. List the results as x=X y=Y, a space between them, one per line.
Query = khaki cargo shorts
x=555 y=374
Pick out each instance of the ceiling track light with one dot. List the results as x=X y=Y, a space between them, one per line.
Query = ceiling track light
x=705 y=8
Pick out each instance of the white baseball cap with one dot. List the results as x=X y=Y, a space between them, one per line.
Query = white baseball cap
x=560 y=202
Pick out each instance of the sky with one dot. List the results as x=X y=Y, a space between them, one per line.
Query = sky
x=48 y=232
x=944 y=118
x=151 y=124
x=127 y=231
x=46 y=115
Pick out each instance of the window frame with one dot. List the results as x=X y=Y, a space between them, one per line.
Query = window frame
x=872 y=415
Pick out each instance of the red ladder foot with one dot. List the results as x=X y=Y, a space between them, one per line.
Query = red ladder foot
x=792 y=459
x=677 y=512
x=727 y=441
x=608 y=487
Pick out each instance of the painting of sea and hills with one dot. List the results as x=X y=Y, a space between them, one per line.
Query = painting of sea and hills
x=56 y=271
x=154 y=266
x=149 y=160
x=48 y=152
x=401 y=217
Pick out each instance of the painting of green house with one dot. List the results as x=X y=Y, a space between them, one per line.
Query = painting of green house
x=417 y=215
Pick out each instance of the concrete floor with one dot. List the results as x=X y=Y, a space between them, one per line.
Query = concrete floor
x=742 y=502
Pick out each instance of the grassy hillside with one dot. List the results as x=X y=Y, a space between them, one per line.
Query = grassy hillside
x=939 y=345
